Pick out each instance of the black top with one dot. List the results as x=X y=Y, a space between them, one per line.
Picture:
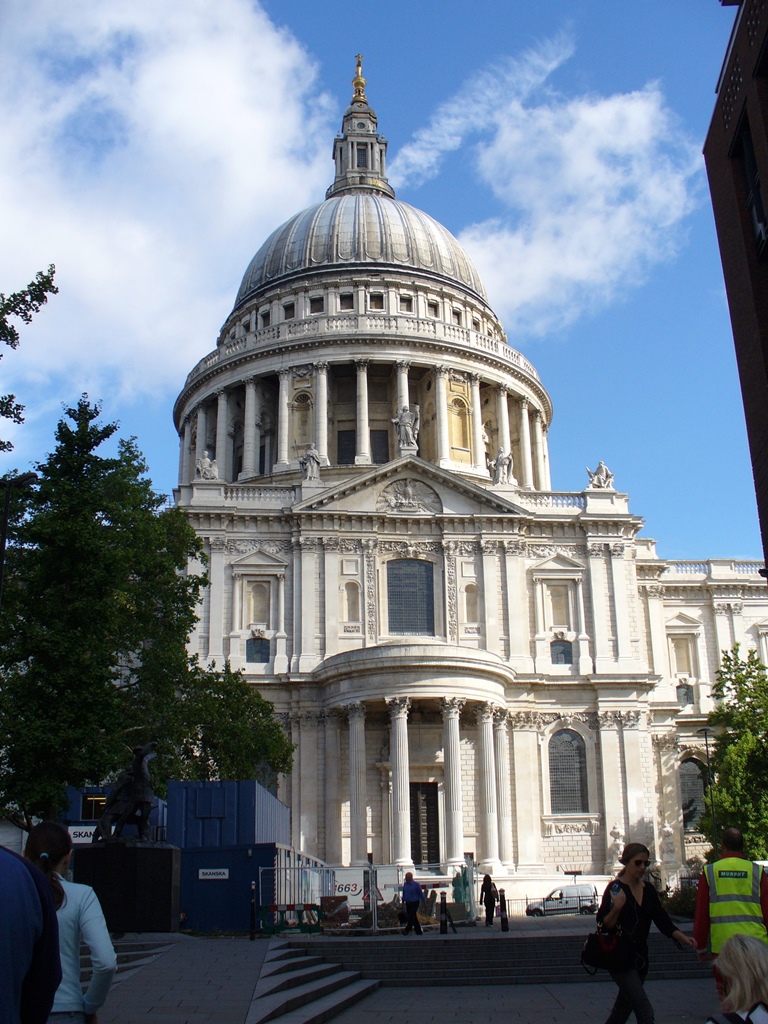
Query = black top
x=635 y=919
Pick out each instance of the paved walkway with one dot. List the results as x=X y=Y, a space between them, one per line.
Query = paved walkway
x=201 y=980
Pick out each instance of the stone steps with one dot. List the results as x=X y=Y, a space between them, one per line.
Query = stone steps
x=303 y=988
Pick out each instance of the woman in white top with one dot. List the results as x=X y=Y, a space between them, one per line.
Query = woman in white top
x=743 y=965
x=49 y=846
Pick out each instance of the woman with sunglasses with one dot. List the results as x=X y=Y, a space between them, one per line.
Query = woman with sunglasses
x=630 y=903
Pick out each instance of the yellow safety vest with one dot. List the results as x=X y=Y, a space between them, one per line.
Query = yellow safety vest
x=734 y=900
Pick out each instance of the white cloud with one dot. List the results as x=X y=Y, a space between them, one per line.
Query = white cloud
x=592 y=190
x=148 y=149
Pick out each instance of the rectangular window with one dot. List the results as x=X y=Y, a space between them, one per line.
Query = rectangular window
x=558 y=607
x=265 y=318
x=410 y=597
x=754 y=191
x=682 y=656
x=345 y=447
x=376 y=300
x=362 y=155
x=433 y=309
x=289 y=310
x=406 y=304
x=346 y=300
x=457 y=317
x=92 y=806
x=317 y=304
x=380 y=446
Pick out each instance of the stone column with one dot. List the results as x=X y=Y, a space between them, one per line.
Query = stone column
x=490 y=591
x=654 y=595
x=525 y=446
x=547 y=485
x=200 y=441
x=250 y=453
x=478 y=453
x=633 y=771
x=502 y=396
x=610 y=770
x=403 y=392
x=358 y=804
x=626 y=657
x=363 y=445
x=454 y=806
x=401 y=794
x=222 y=416
x=516 y=623
x=321 y=412
x=296 y=782
x=216 y=602
x=441 y=415
x=332 y=792
x=503 y=790
x=187 y=472
x=310 y=570
x=542 y=474
x=601 y=626
x=489 y=820
x=525 y=741
x=283 y=415
x=309 y=784
x=331 y=575
x=281 y=638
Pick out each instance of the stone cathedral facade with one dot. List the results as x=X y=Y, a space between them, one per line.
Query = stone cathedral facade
x=466 y=660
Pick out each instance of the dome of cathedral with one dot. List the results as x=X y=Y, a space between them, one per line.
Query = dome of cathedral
x=359 y=229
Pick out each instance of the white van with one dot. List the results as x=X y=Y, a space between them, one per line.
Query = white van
x=570 y=899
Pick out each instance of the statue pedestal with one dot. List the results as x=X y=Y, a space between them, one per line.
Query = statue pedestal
x=137 y=885
x=408 y=449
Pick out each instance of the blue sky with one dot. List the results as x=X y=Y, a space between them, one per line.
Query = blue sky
x=151 y=145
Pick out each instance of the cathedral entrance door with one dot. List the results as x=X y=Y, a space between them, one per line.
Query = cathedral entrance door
x=425 y=831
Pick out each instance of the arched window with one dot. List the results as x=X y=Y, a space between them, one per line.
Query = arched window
x=459 y=424
x=410 y=597
x=568 y=773
x=692 y=793
x=302 y=422
x=561 y=652
x=257 y=650
x=352 y=601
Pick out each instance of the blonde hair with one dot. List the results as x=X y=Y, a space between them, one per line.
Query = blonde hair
x=743 y=962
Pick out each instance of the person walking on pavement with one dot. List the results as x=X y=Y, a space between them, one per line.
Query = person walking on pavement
x=732 y=899
x=631 y=904
x=80 y=919
x=489 y=897
x=412 y=897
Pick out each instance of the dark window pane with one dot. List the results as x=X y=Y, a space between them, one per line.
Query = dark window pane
x=380 y=446
x=692 y=793
x=345 y=446
x=410 y=597
x=562 y=652
x=257 y=650
x=567 y=773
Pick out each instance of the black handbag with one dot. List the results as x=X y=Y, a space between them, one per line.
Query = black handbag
x=610 y=951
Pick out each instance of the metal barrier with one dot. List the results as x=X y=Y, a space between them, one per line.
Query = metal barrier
x=295 y=917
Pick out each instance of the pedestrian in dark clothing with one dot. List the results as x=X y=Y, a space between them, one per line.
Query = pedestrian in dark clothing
x=30 y=970
x=412 y=897
x=632 y=904
x=489 y=897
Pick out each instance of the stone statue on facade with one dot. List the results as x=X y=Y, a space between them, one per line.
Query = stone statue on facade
x=501 y=468
x=206 y=468
x=601 y=478
x=407 y=427
x=310 y=463
x=131 y=799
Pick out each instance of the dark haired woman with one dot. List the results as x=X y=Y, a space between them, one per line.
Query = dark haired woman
x=49 y=846
x=488 y=896
x=632 y=904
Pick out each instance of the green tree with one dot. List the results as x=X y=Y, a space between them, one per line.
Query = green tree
x=21 y=305
x=97 y=613
x=740 y=758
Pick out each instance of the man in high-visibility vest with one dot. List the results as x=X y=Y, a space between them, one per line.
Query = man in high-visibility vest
x=732 y=900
